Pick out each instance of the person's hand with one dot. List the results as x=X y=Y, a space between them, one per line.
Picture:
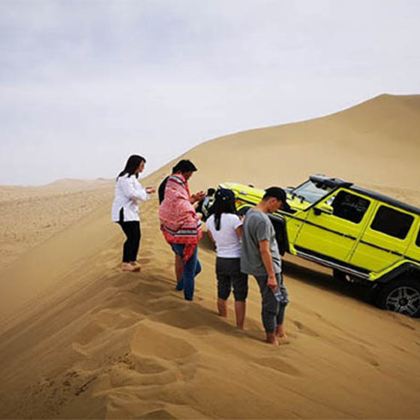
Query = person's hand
x=150 y=190
x=272 y=282
x=198 y=196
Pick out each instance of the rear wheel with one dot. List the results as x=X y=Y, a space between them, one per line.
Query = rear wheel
x=402 y=296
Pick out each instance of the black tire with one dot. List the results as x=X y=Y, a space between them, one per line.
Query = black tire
x=340 y=276
x=401 y=296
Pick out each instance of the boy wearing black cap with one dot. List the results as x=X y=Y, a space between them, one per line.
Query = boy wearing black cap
x=260 y=257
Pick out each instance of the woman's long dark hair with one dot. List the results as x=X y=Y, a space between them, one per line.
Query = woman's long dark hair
x=224 y=203
x=132 y=165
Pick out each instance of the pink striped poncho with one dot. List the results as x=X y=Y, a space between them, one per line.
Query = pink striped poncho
x=178 y=220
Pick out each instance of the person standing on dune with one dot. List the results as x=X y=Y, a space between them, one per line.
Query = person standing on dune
x=180 y=224
x=224 y=228
x=260 y=257
x=125 y=210
x=161 y=195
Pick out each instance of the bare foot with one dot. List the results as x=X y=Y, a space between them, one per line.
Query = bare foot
x=271 y=338
x=130 y=267
x=280 y=332
x=283 y=339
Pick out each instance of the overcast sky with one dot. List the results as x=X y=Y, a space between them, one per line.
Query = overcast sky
x=84 y=84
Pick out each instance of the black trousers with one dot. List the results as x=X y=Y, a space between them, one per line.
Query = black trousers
x=131 y=245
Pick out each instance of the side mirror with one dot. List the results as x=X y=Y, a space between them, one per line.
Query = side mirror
x=323 y=208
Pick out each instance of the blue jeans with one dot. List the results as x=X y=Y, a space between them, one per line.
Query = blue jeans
x=191 y=268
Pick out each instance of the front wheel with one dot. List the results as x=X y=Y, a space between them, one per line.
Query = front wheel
x=403 y=296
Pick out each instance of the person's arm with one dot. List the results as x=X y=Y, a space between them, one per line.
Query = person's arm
x=238 y=226
x=132 y=191
x=267 y=260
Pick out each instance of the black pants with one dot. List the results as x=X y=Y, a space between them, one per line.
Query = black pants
x=131 y=245
x=229 y=276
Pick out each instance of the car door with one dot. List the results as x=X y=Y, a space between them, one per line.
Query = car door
x=413 y=251
x=385 y=239
x=333 y=225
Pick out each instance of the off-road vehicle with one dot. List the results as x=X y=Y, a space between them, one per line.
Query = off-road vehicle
x=364 y=236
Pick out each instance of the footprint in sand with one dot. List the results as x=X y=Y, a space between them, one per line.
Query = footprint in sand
x=147 y=365
x=153 y=343
x=102 y=322
x=135 y=370
x=305 y=330
x=165 y=304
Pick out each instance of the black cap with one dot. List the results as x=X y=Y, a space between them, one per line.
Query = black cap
x=184 y=165
x=279 y=194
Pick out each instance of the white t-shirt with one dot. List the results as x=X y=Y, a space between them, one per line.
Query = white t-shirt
x=128 y=191
x=228 y=244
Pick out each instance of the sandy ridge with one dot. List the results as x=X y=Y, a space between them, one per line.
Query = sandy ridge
x=95 y=342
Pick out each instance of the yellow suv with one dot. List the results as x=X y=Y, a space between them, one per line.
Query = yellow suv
x=364 y=236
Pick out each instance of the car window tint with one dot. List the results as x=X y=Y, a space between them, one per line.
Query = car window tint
x=349 y=206
x=418 y=239
x=392 y=222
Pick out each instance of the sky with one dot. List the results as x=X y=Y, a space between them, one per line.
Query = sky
x=86 y=83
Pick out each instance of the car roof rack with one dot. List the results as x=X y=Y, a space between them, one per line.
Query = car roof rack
x=330 y=182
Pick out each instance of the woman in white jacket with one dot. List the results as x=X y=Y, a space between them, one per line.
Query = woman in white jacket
x=125 y=210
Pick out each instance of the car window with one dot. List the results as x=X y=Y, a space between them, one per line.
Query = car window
x=311 y=192
x=349 y=206
x=392 y=222
x=418 y=239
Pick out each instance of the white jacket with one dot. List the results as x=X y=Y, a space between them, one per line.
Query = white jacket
x=127 y=192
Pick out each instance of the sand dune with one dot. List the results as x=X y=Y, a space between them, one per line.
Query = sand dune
x=79 y=339
x=374 y=143
x=30 y=215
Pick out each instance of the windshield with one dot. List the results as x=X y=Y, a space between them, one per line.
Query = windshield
x=311 y=192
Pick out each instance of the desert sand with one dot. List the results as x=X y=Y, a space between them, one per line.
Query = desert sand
x=80 y=339
x=30 y=215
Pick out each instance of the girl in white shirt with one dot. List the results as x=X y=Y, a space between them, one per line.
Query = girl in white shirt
x=225 y=229
x=125 y=210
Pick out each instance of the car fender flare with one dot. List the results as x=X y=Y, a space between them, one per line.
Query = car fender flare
x=404 y=270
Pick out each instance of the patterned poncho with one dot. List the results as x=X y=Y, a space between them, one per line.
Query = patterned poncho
x=178 y=220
